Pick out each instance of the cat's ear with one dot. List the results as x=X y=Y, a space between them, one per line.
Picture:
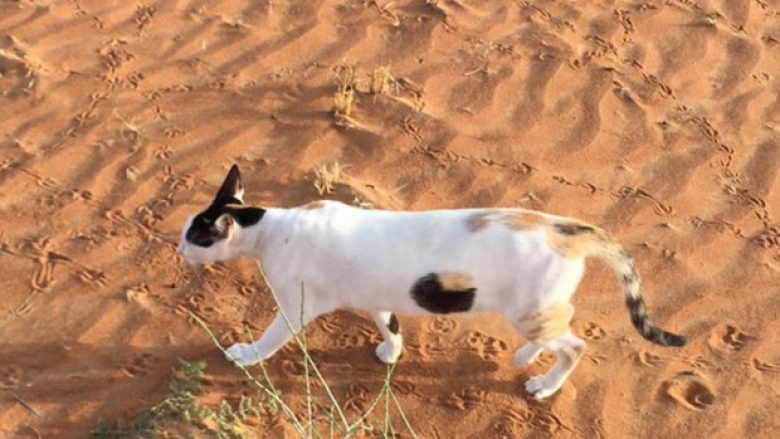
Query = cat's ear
x=225 y=224
x=232 y=187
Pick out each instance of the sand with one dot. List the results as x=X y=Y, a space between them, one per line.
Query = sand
x=658 y=121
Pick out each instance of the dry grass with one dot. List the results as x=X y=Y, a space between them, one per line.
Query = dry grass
x=381 y=81
x=326 y=177
x=344 y=99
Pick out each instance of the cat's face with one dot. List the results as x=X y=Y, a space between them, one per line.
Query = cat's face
x=213 y=234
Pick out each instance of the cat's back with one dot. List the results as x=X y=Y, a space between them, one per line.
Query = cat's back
x=340 y=220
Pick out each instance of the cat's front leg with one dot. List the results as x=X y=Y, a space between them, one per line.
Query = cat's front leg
x=390 y=349
x=274 y=338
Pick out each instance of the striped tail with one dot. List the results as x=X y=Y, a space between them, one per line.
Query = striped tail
x=620 y=262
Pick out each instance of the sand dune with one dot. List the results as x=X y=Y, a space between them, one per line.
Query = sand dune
x=659 y=121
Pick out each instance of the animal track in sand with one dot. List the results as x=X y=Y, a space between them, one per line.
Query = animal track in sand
x=293 y=367
x=404 y=387
x=140 y=366
x=443 y=325
x=690 y=390
x=357 y=399
x=593 y=331
x=10 y=376
x=17 y=75
x=484 y=345
x=595 y=359
x=357 y=336
x=647 y=358
x=467 y=398
x=512 y=423
x=765 y=367
x=436 y=348
x=728 y=337
x=329 y=323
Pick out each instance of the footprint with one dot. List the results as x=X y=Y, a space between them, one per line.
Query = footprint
x=593 y=331
x=691 y=391
x=467 y=398
x=548 y=422
x=436 y=348
x=94 y=277
x=484 y=345
x=141 y=365
x=728 y=337
x=357 y=336
x=648 y=359
x=329 y=323
x=443 y=325
x=765 y=367
x=293 y=367
x=403 y=387
x=512 y=423
x=357 y=399
x=10 y=376
x=494 y=347
x=138 y=293
x=596 y=359
x=173 y=132
x=700 y=362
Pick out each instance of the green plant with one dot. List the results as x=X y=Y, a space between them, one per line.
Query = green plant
x=182 y=407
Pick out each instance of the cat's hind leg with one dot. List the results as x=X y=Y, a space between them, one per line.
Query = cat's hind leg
x=390 y=349
x=548 y=329
x=527 y=354
x=568 y=350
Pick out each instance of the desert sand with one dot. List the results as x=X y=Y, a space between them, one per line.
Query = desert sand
x=656 y=120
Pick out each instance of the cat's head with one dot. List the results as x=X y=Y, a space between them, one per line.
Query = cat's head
x=214 y=234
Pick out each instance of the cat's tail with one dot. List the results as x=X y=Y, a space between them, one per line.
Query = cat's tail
x=621 y=263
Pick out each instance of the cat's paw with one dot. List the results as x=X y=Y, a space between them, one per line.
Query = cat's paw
x=539 y=387
x=242 y=354
x=387 y=354
x=526 y=355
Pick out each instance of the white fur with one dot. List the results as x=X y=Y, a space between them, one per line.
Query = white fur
x=368 y=259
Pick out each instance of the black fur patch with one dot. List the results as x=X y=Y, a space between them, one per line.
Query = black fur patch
x=204 y=231
x=429 y=294
x=643 y=324
x=573 y=229
x=393 y=325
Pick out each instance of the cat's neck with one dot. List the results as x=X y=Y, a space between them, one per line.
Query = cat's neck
x=263 y=239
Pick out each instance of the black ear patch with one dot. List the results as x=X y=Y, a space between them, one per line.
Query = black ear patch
x=430 y=293
x=204 y=231
x=245 y=215
x=232 y=188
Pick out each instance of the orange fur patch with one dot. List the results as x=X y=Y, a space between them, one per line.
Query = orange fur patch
x=524 y=220
x=313 y=205
x=548 y=323
x=578 y=245
x=453 y=281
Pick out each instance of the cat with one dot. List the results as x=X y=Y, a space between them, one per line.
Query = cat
x=523 y=264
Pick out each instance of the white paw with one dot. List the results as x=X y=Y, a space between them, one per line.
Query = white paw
x=526 y=356
x=387 y=354
x=243 y=354
x=539 y=388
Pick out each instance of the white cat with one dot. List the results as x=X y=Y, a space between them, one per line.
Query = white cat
x=523 y=264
